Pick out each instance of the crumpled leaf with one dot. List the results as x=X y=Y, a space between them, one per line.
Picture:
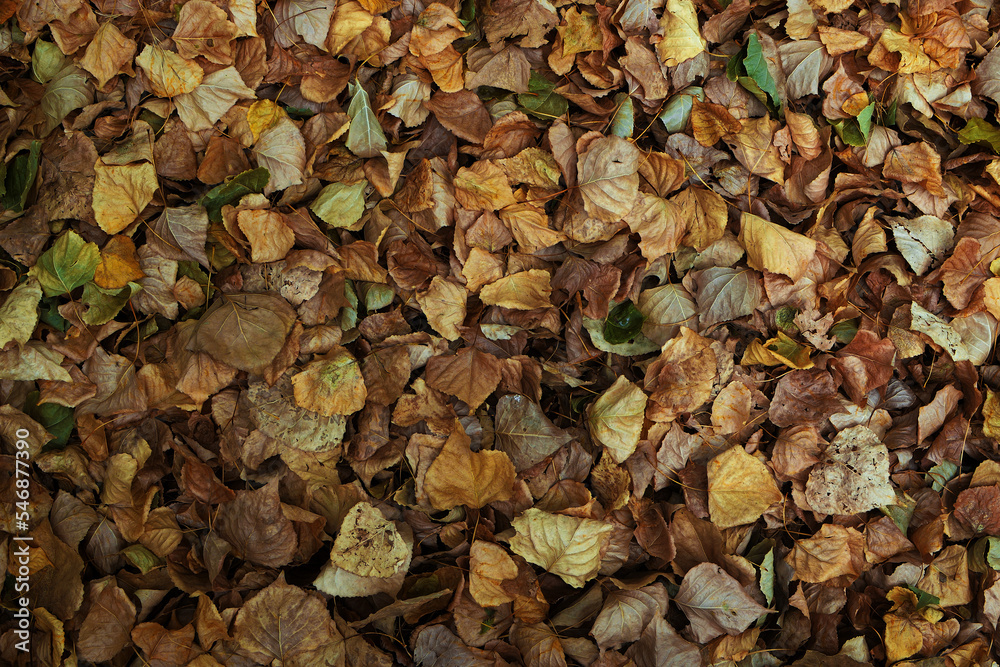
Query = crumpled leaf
x=459 y=476
x=854 y=477
x=567 y=546
x=775 y=248
x=524 y=432
x=331 y=384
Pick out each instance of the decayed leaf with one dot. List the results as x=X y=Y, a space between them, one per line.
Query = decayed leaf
x=524 y=432
x=522 y=291
x=169 y=73
x=443 y=304
x=715 y=603
x=282 y=151
x=740 y=488
x=459 y=476
x=835 y=552
x=608 y=178
x=567 y=546
x=922 y=241
x=855 y=478
x=108 y=53
x=369 y=556
x=244 y=330
x=775 y=248
x=470 y=374
x=616 y=417
x=281 y=622
x=215 y=95
x=256 y=529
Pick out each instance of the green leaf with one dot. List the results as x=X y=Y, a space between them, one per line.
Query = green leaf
x=541 y=100
x=69 y=89
x=785 y=320
x=865 y=121
x=48 y=313
x=68 y=264
x=57 y=419
x=104 y=304
x=845 y=331
x=19 y=313
x=376 y=295
x=20 y=176
x=233 y=190
x=734 y=66
x=623 y=323
x=46 y=60
x=849 y=132
x=941 y=474
x=341 y=205
x=756 y=68
x=924 y=599
x=978 y=130
x=623 y=121
x=901 y=512
x=993 y=553
x=365 y=137
x=677 y=111
x=142 y=558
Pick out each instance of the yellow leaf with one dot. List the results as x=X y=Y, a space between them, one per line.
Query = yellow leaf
x=526 y=290
x=566 y=546
x=263 y=115
x=490 y=565
x=459 y=476
x=681 y=37
x=349 y=21
x=444 y=306
x=107 y=53
x=121 y=192
x=168 y=73
x=331 y=384
x=119 y=264
x=270 y=238
x=777 y=351
x=615 y=418
x=775 y=248
x=740 y=488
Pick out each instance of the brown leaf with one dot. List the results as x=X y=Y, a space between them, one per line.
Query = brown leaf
x=459 y=476
x=256 y=528
x=715 y=603
x=470 y=374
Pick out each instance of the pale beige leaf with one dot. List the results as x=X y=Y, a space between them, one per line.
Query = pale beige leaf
x=609 y=179
x=282 y=151
x=854 y=477
x=218 y=92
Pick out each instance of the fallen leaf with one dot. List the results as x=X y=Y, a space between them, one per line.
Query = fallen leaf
x=740 y=488
x=567 y=546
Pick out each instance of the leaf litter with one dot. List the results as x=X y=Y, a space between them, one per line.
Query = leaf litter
x=628 y=333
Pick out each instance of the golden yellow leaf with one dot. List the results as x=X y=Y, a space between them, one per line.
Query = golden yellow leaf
x=740 y=488
x=526 y=290
x=775 y=248
x=459 y=476
x=119 y=264
x=331 y=384
x=263 y=115
x=349 y=20
x=121 y=192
